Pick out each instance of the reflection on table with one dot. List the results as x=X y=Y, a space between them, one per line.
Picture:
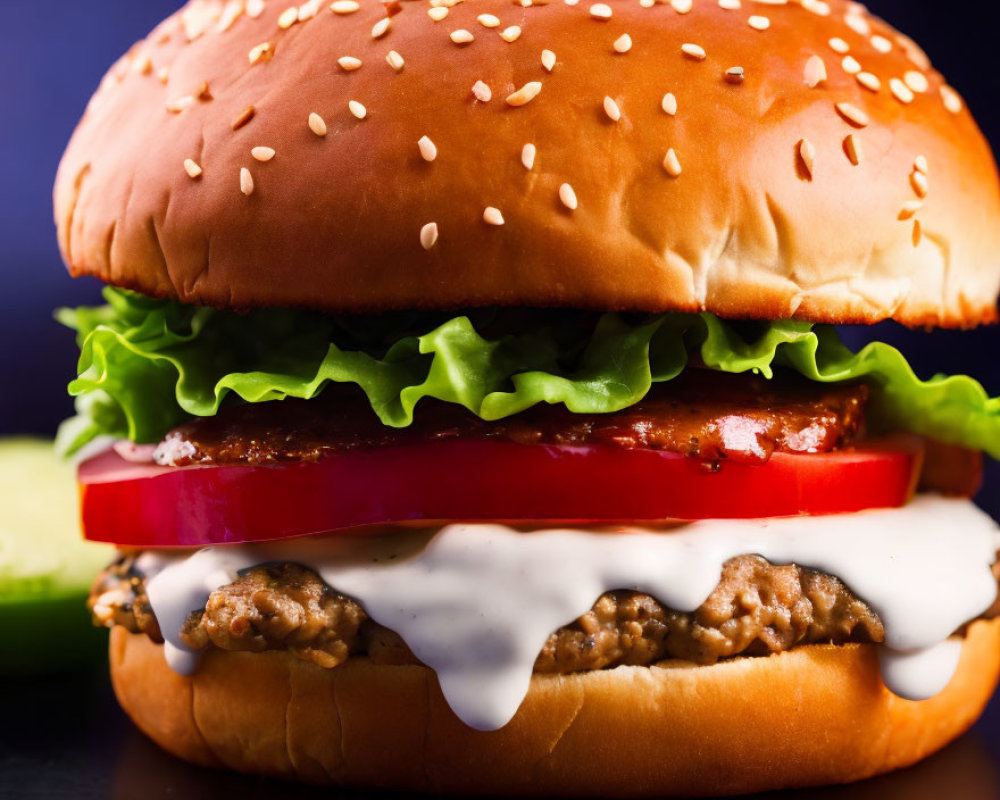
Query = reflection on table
x=65 y=736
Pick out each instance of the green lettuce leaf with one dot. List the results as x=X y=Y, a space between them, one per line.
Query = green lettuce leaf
x=146 y=364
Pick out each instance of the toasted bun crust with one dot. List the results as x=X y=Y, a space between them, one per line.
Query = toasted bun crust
x=811 y=716
x=769 y=217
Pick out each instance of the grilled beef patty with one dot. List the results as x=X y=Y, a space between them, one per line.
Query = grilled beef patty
x=756 y=609
x=703 y=414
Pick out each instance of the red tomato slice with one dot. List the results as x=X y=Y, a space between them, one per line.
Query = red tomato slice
x=146 y=506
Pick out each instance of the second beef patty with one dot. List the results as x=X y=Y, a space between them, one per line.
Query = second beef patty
x=756 y=609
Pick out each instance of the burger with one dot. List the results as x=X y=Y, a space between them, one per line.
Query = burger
x=467 y=409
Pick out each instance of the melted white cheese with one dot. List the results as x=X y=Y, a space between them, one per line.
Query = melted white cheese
x=476 y=603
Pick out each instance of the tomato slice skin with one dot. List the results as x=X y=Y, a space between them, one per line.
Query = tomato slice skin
x=146 y=506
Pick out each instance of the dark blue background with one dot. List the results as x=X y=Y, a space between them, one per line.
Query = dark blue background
x=52 y=58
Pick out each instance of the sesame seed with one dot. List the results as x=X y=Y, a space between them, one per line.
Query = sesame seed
x=492 y=216
x=838 y=45
x=163 y=75
x=488 y=21
x=730 y=5
x=143 y=66
x=820 y=7
x=192 y=168
x=772 y=2
x=261 y=52
x=815 y=72
x=179 y=104
x=852 y=146
x=695 y=51
x=243 y=118
x=204 y=93
x=510 y=34
x=429 y=235
x=568 y=197
x=920 y=164
x=246 y=181
x=642 y=3
x=759 y=23
x=263 y=153
x=394 y=60
x=869 y=81
x=909 y=209
x=357 y=109
x=309 y=10
x=349 y=63
x=682 y=6
x=919 y=182
x=623 y=43
x=881 y=44
x=344 y=6
x=672 y=164
x=735 y=74
x=528 y=156
x=914 y=52
x=918 y=233
x=317 y=124
x=952 y=100
x=858 y=24
x=917 y=81
x=254 y=8
x=288 y=17
x=548 y=60
x=851 y=65
x=461 y=36
x=611 y=109
x=852 y=114
x=482 y=92
x=437 y=13
x=525 y=94
x=807 y=152
x=428 y=150
x=669 y=104
x=381 y=28
x=901 y=91
x=600 y=11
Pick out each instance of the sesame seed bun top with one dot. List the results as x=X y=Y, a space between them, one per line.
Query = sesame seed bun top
x=755 y=159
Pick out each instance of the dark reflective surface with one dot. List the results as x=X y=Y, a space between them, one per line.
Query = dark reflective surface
x=65 y=737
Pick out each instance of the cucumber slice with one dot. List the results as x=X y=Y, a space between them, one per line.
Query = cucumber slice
x=46 y=567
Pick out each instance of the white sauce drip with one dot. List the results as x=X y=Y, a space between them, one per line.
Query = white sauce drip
x=476 y=603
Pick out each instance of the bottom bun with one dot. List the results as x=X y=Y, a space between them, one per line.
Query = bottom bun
x=815 y=715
